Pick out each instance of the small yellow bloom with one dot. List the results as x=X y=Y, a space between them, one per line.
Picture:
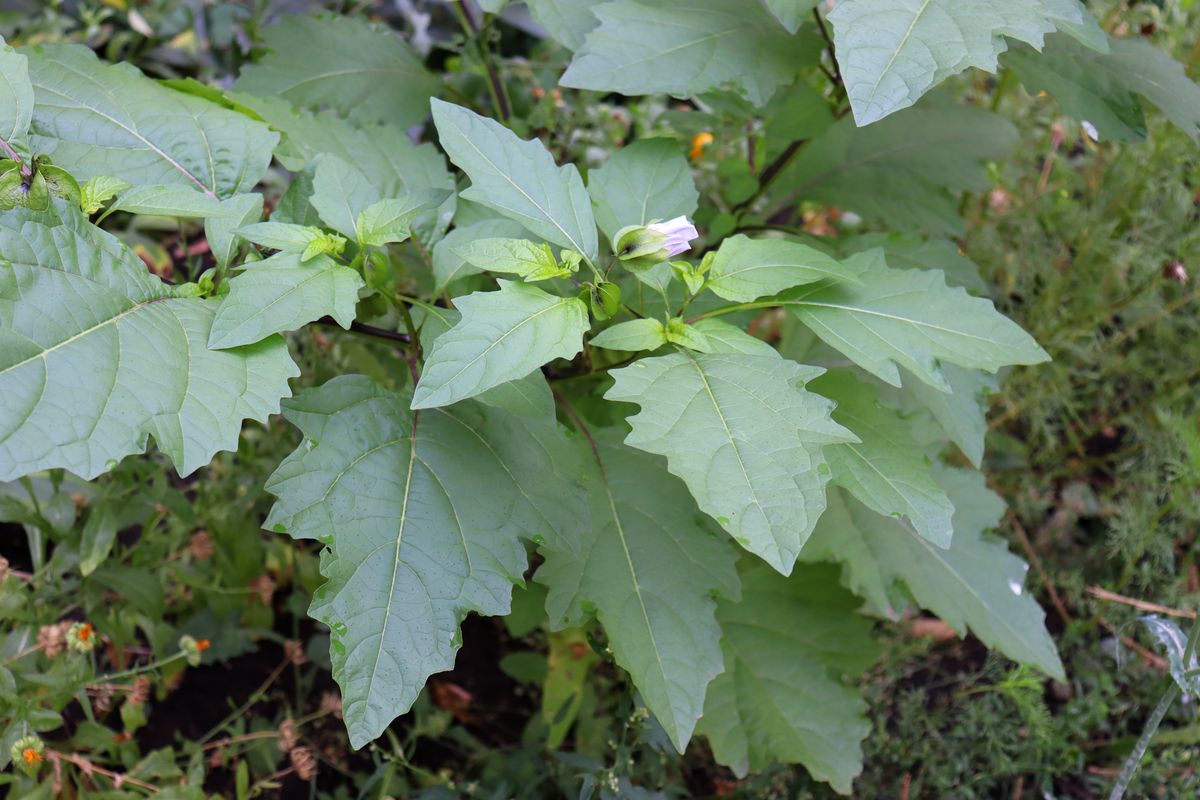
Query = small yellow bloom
x=699 y=142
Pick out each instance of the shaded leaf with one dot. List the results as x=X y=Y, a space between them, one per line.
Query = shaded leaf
x=643 y=182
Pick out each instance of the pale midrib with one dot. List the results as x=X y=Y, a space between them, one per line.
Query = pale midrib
x=546 y=214
x=131 y=131
x=915 y=322
x=900 y=46
x=387 y=613
x=110 y=321
x=732 y=442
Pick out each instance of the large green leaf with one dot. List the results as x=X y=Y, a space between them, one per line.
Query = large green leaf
x=240 y=210
x=893 y=51
x=1102 y=88
x=421 y=514
x=745 y=269
x=346 y=63
x=648 y=570
x=905 y=170
x=912 y=319
x=745 y=437
x=96 y=354
x=502 y=336
x=648 y=180
x=102 y=119
x=383 y=153
x=283 y=293
x=568 y=21
x=780 y=697
x=686 y=47
x=886 y=470
x=341 y=192
x=975 y=584
x=16 y=95
x=518 y=178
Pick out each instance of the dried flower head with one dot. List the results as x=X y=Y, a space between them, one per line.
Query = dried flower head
x=201 y=545
x=304 y=762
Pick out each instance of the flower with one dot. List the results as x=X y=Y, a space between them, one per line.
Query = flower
x=699 y=142
x=192 y=648
x=642 y=246
x=81 y=637
x=27 y=754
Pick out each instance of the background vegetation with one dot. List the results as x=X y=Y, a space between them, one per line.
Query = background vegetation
x=1091 y=246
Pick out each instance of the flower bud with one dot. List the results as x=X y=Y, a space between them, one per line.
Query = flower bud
x=641 y=246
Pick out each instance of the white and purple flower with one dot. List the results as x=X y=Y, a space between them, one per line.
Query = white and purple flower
x=643 y=245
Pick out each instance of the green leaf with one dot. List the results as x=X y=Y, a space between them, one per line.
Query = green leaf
x=725 y=338
x=780 y=698
x=448 y=265
x=533 y=261
x=632 y=335
x=744 y=435
x=518 y=178
x=912 y=319
x=962 y=413
x=18 y=191
x=746 y=269
x=168 y=200
x=975 y=584
x=103 y=119
x=1174 y=644
x=96 y=541
x=568 y=21
x=909 y=251
x=127 y=361
x=905 y=170
x=281 y=294
x=340 y=194
x=383 y=153
x=646 y=181
x=791 y=13
x=420 y=514
x=648 y=570
x=346 y=63
x=16 y=95
x=241 y=210
x=529 y=396
x=392 y=218
x=886 y=470
x=685 y=48
x=893 y=51
x=1102 y=88
x=502 y=336
x=685 y=335
x=98 y=190
x=569 y=662
x=279 y=235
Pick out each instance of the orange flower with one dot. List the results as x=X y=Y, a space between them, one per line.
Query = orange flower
x=203 y=644
x=31 y=756
x=699 y=142
x=81 y=637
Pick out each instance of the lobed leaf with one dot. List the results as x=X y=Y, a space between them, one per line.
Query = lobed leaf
x=744 y=436
x=97 y=354
x=421 y=514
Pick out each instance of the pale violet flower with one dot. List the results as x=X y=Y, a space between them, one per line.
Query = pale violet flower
x=644 y=245
x=678 y=232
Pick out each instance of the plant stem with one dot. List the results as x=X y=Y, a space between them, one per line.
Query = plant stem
x=771 y=172
x=1129 y=768
x=495 y=86
x=103 y=679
